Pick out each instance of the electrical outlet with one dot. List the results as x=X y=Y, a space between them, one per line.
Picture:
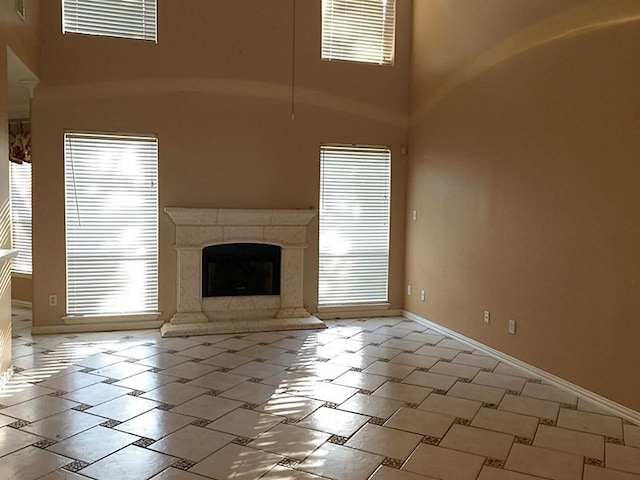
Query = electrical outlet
x=414 y=215
x=408 y=289
x=512 y=327
x=422 y=295
x=486 y=316
x=53 y=300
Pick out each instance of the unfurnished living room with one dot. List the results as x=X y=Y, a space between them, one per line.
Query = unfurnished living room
x=320 y=239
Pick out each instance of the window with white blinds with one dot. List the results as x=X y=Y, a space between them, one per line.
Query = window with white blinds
x=355 y=186
x=111 y=206
x=20 y=180
x=358 y=30
x=112 y=18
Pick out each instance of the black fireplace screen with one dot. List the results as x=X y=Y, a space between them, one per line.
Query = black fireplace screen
x=240 y=269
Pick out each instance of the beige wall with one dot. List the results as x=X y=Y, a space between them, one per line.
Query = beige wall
x=21 y=37
x=524 y=169
x=217 y=91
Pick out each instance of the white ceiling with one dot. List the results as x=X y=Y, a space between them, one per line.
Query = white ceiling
x=17 y=75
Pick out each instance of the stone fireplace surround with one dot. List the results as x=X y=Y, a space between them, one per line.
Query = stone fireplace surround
x=197 y=228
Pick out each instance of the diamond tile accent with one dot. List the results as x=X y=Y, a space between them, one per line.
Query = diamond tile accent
x=110 y=423
x=183 y=464
x=241 y=440
x=144 y=442
x=288 y=462
x=337 y=439
x=75 y=466
x=201 y=422
x=249 y=406
x=494 y=462
x=44 y=443
x=136 y=393
x=431 y=440
x=165 y=406
x=19 y=424
x=593 y=461
x=392 y=462
x=81 y=407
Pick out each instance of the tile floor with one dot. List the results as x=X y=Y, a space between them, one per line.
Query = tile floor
x=377 y=399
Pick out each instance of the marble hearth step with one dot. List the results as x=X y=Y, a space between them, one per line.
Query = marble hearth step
x=241 y=326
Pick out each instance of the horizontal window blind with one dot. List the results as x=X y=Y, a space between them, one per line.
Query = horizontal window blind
x=20 y=179
x=354 y=225
x=113 y=18
x=111 y=206
x=358 y=30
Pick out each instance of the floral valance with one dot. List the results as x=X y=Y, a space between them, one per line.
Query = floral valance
x=19 y=144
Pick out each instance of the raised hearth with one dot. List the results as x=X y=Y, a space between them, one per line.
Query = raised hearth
x=198 y=228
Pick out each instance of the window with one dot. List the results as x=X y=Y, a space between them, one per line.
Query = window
x=354 y=225
x=111 y=218
x=358 y=30
x=20 y=179
x=112 y=18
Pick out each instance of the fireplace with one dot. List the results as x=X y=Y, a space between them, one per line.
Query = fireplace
x=259 y=294
x=237 y=269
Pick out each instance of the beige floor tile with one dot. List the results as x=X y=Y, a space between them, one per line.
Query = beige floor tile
x=334 y=421
x=68 y=383
x=365 y=338
x=192 y=443
x=380 y=352
x=12 y=439
x=413 y=360
x=505 y=369
x=632 y=436
x=290 y=441
x=130 y=462
x=388 y=473
x=163 y=360
x=207 y=407
x=585 y=406
x=506 y=422
x=201 y=351
x=99 y=360
x=419 y=421
x=174 y=393
x=138 y=352
x=176 y=474
x=443 y=463
x=38 y=408
x=96 y=394
x=501 y=381
x=326 y=392
x=323 y=370
x=121 y=370
x=620 y=457
x=63 y=475
x=251 y=392
x=455 y=370
x=451 y=406
x=245 y=423
x=155 y=424
x=478 y=441
x=590 y=423
x=373 y=406
x=218 y=381
x=284 y=380
x=455 y=344
x=93 y=444
x=530 y=406
x=290 y=406
x=365 y=381
x=63 y=425
x=384 y=441
x=490 y=473
x=475 y=361
x=338 y=463
x=548 y=392
x=544 y=463
x=227 y=360
x=284 y=473
x=406 y=345
x=570 y=441
x=431 y=380
x=437 y=352
x=429 y=338
x=179 y=344
x=123 y=408
x=257 y=370
x=30 y=463
x=480 y=393
x=145 y=381
x=189 y=370
x=598 y=473
x=402 y=392
x=389 y=369
x=353 y=360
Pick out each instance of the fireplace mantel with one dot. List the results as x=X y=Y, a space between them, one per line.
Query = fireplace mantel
x=197 y=228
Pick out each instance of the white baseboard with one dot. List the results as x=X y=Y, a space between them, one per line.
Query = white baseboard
x=21 y=303
x=602 y=402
